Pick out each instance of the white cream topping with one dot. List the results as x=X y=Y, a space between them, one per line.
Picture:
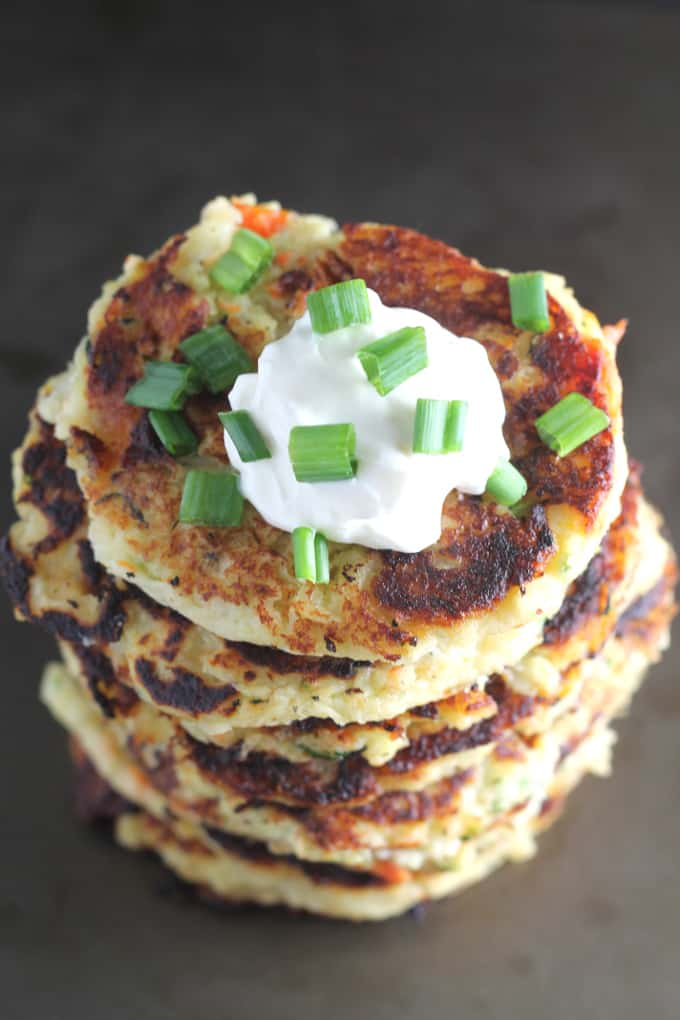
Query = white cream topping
x=395 y=501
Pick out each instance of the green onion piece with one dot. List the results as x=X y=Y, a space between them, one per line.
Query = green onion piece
x=310 y=553
x=245 y=436
x=506 y=484
x=394 y=358
x=439 y=426
x=174 y=432
x=217 y=357
x=304 y=554
x=454 y=430
x=211 y=498
x=342 y=304
x=323 y=570
x=247 y=258
x=165 y=386
x=326 y=755
x=430 y=425
x=323 y=453
x=570 y=423
x=528 y=302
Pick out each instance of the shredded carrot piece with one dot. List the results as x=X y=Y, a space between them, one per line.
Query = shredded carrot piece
x=283 y=257
x=260 y=218
x=227 y=306
x=391 y=872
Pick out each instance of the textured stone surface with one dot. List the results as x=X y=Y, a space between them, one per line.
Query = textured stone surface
x=527 y=134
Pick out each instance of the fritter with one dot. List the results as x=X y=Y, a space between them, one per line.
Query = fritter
x=478 y=597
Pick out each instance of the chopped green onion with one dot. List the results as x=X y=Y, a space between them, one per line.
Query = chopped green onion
x=323 y=570
x=429 y=425
x=570 y=423
x=310 y=553
x=506 y=484
x=394 y=358
x=323 y=453
x=245 y=436
x=341 y=304
x=454 y=430
x=528 y=302
x=247 y=258
x=439 y=425
x=165 y=386
x=217 y=357
x=327 y=755
x=211 y=498
x=304 y=554
x=174 y=432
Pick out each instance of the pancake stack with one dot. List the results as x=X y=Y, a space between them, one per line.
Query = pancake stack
x=355 y=748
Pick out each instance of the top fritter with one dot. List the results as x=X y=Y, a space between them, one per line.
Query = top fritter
x=481 y=594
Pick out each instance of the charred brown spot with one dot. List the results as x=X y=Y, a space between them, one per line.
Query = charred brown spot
x=101 y=680
x=51 y=487
x=185 y=692
x=144 y=446
x=511 y=708
x=264 y=777
x=91 y=446
x=107 y=627
x=138 y=318
x=652 y=612
x=16 y=576
x=491 y=552
x=414 y=806
x=92 y=571
x=172 y=642
x=318 y=871
x=283 y=662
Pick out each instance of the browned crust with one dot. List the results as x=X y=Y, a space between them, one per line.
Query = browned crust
x=95 y=800
x=590 y=597
x=52 y=488
x=646 y=619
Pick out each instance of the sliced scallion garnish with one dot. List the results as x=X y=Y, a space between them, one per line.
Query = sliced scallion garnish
x=164 y=386
x=174 y=432
x=341 y=304
x=323 y=572
x=245 y=436
x=506 y=485
x=212 y=498
x=454 y=430
x=394 y=358
x=439 y=426
x=310 y=553
x=247 y=258
x=529 y=302
x=570 y=423
x=323 y=453
x=217 y=357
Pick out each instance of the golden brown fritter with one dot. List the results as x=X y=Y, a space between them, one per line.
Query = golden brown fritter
x=474 y=596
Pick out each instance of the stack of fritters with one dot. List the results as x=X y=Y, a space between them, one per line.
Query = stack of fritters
x=353 y=748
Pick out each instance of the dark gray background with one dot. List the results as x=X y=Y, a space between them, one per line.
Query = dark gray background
x=527 y=134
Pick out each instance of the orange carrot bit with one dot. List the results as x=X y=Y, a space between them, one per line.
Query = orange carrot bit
x=391 y=872
x=282 y=258
x=228 y=307
x=130 y=568
x=261 y=219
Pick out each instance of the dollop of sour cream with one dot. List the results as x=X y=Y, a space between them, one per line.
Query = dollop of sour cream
x=395 y=500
